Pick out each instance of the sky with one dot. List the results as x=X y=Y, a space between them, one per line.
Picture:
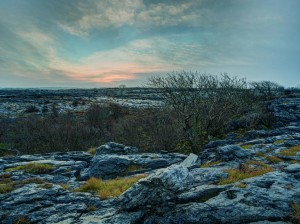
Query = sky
x=106 y=43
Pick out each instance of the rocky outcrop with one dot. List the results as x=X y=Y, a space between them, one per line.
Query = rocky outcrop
x=177 y=188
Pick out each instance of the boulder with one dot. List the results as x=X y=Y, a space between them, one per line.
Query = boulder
x=233 y=152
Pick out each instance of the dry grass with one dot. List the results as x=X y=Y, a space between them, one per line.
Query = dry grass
x=259 y=154
x=296 y=213
x=209 y=164
x=248 y=146
x=92 y=150
x=7 y=185
x=274 y=159
x=290 y=151
x=64 y=186
x=109 y=188
x=245 y=171
x=132 y=168
x=35 y=168
x=22 y=220
x=279 y=141
x=241 y=185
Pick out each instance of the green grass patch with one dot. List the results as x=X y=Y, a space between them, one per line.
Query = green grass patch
x=132 y=168
x=274 y=159
x=290 y=151
x=209 y=164
x=22 y=220
x=260 y=154
x=108 y=188
x=248 y=146
x=35 y=168
x=245 y=171
x=296 y=213
x=7 y=185
x=279 y=141
x=92 y=150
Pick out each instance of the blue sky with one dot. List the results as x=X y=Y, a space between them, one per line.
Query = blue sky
x=105 y=43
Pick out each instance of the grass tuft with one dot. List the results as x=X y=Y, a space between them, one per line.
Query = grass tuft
x=35 y=168
x=92 y=150
x=241 y=185
x=296 y=213
x=248 y=146
x=209 y=164
x=7 y=185
x=245 y=171
x=290 y=151
x=22 y=220
x=109 y=188
x=259 y=154
x=274 y=159
x=279 y=141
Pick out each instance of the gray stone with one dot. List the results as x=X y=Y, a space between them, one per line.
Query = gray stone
x=108 y=166
x=233 y=152
x=115 y=148
x=190 y=161
x=293 y=168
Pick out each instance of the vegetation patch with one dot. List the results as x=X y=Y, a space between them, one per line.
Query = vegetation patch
x=109 y=188
x=241 y=185
x=245 y=171
x=274 y=159
x=7 y=185
x=248 y=146
x=64 y=186
x=279 y=141
x=35 y=168
x=209 y=164
x=92 y=150
x=132 y=168
x=296 y=213
x=259 y=154
x=22 y=220
x=290 y=151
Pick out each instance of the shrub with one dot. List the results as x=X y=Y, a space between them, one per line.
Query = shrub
x=31 y=109
x=109 y=188
x=36 y=168
x=204 y=104
x=245 y=171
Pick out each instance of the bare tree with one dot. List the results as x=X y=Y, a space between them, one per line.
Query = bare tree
x=204 y=103
x=267 y=89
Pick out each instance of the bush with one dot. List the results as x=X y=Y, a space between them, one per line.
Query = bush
x=205 y=104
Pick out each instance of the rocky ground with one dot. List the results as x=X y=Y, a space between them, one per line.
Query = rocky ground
x=251 y=177
x=32 y=102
